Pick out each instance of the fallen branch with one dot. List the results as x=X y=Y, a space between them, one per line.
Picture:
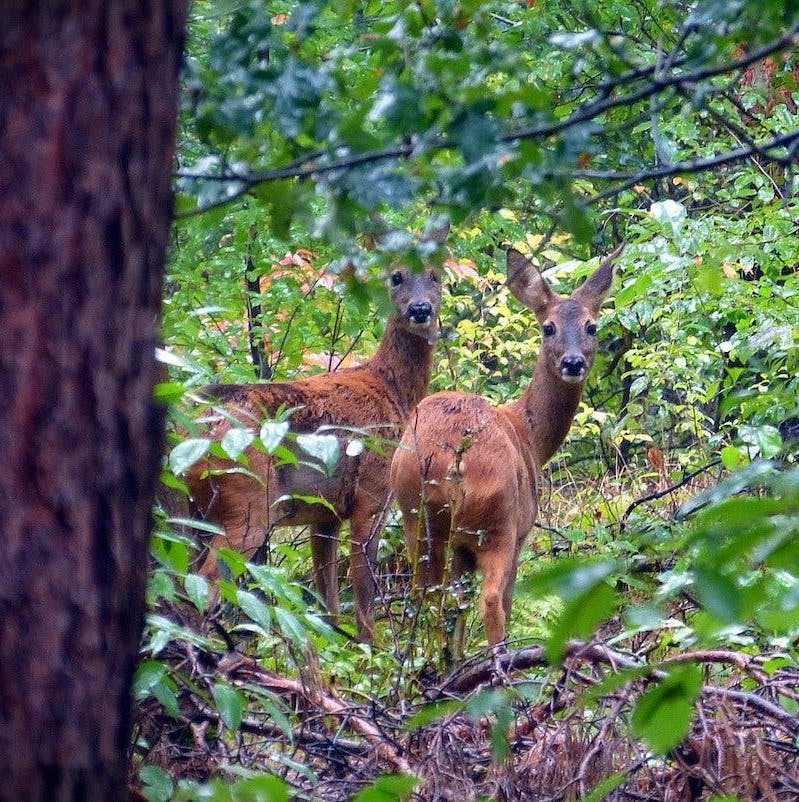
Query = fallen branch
x=239 y=669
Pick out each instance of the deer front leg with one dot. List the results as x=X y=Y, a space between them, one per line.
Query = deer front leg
x=365 y=527
x=324 y=552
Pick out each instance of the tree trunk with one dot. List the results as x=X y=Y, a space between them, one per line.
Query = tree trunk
x=88 y=98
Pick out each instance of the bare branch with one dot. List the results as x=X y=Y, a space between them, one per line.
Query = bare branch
x=657 y=80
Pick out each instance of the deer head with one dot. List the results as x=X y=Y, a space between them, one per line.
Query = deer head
x=568 y=324
x=416 y=296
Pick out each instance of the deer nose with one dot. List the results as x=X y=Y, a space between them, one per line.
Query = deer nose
x=420 y=311
x=572 y=365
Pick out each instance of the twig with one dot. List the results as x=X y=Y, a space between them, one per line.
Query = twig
x=238 y=669
x=665 y=492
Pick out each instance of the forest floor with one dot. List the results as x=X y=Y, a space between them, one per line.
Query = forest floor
x=510 y=728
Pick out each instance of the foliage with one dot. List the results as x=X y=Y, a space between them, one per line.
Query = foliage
x=668 y=519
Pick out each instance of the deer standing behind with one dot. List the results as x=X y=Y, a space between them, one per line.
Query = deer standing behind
x=466 y=473
x=377 y=397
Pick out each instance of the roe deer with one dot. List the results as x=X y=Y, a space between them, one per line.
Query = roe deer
x=466 y=473
x=377 y=396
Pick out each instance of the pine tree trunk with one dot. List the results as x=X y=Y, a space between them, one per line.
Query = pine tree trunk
x=88 y=98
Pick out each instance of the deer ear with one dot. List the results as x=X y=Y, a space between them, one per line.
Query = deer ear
x=527 y=284
x=596 y=287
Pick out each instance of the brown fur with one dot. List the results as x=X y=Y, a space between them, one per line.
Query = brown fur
x=465 y=474
x=377 y=397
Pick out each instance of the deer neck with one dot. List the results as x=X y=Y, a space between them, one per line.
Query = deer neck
x=544 y=413
x=404 y=362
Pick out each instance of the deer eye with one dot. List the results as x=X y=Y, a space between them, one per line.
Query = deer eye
x=548 y=329
x=396 y=279
x=590 y=329
x=434 y=276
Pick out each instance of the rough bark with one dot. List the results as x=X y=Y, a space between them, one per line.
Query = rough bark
x=88 y=96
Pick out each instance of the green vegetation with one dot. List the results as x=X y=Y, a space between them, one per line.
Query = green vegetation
x=667 y=539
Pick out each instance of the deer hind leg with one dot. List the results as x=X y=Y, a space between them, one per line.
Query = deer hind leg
x=431 y=533
x=425 y=554
x=510 y=583
x=498 y=569
x=366 y=525
x=324 y=552
x=461 y=562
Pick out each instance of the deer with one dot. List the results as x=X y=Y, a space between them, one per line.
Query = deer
x=376 y=397
x=466 y=472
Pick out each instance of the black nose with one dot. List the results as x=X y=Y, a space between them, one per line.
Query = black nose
x=572 y=365
x=420 y=311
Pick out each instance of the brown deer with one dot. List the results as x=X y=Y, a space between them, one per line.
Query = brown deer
x=377 y=397
x=466 y=473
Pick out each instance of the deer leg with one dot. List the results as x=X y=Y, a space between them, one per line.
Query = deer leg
x=365 y=528
x=460 y=562
x=411 y=521
x=510 y=582
x=324 y=552
x=497 y=568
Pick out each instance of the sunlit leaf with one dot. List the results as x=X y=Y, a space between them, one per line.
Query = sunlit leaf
x=272 y=434
x=197 y=589
x=265 y=788
x=236 y=440
x=323 y=447
x=186 y=453
x=433 y=712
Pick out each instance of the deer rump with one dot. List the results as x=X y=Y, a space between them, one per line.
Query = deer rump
x=472 y=499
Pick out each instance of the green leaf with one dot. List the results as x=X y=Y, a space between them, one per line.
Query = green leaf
x=433 y=712
x=185 y=454
x=200 y=526
x=605 y=787
x=486 y=703
x=308 y=500
x=157 y=784
x=718 y=595
x=732 y=458
x=580 y=618
x=266 y=788
x=255 y=608
x=197 y=590
x=236 y=440
x=568 y=578
x=388 y=788
x=767 y=440
x=272 y=434
x=148 y=675
x=662 y=717
x=236 y=562
x=165 y=694
x=669 y=213
x=500 y=745
x=168 y=392
x=291 y=627
x=230 y=704
x=708 y=278
x=636 y=289
x=323 y=447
